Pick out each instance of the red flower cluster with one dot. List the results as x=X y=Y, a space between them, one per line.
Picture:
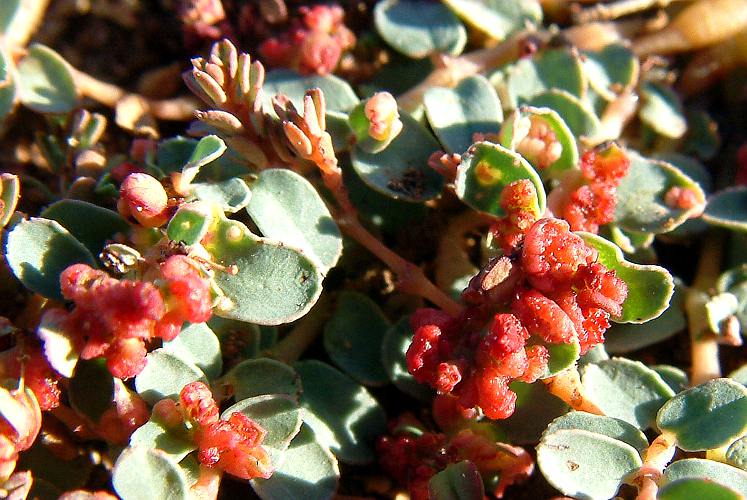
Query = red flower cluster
x=232 y=445
x=412 y=455
x=517 y=200
x=549 y=291
x=114 y=318
x=313 y=44
x=593 y=203
x=28 y=360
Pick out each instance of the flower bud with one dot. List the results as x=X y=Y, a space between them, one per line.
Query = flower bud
x=145 y=199
x=381 y=111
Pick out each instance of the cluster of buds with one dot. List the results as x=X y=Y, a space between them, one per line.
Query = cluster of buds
x=202 y=17
x=537 y=142
x=593 y=203
x=233 y=445
x=383 y=116
x=548 y=288
x=115 y=318
x=413 y=455
x=313 y=44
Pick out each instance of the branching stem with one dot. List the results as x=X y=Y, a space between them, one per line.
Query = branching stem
x=566 y=385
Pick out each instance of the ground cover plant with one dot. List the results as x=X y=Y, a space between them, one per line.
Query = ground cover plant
x=447 y=249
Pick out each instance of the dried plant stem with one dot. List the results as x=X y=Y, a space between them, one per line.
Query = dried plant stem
x=176 y=109
x=452 y=70
x=704 y=345
x=617 y=114
x=609 y=11
x=656 y=457
x=566 y=385
x=303 y=334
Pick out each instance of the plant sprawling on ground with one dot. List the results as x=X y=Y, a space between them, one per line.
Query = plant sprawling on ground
x=391 y=253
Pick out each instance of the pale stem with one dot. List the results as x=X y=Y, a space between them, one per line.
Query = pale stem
x=617 y=114
x=452 y=260
x=303 y=334
x=656 y=457
x=704 y=345
x=25 y=23
x=108 y=94
x=566 y=386
x=452 y=70
x=609 y=11
x=207 y=485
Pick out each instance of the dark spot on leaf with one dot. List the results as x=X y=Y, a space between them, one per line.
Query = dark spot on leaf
x=572 y=466
x=305 y=277
x=410 y=183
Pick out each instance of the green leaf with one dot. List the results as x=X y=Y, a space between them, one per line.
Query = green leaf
x=60 y=348
x=726 y=209
x=7 y=86
x=535 y=409
x=164 y=376
x=486 y=169
x=734 y=282
x=197 y=344
x=207 y=150
x=584 y=464
x=230 y=195
x=254 y=377
x=419 y=28
x=10 y=192
x=640 y=196
x=190 y=223
x=550 y=69
x=308 y=471
x=661 y=109
x=650 y=288
x=675 y=378
x=286 y=207
x=562 y=357
x=702 y=139
x=91 y=389
x=278 y=414
x=245 y=339
x=614 y=428
x=338 y=127
x=705 y=417
x=154 y=435
x=38 y=250
x=736 y=454
x=53 y=471
x=393 y=350
x=626 y=389
x=696 y=489
x=45 y=81
x=275 y=283
x=626 y=337
x=459 y=481
x=576 y=114
x=401 y=170
x=338 y=94
x=740 y=375
x=698 y=468
x=611 y=70
x=141 y=473
x=497 y=18
x=347 y=419
x=457 y=114
x=353 y=337
x=90 y=224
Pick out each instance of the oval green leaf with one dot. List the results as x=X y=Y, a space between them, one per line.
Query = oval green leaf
x=614 y=428
x=497 y=18
x=254 y=377
x=661 y=109
x=164 y=376
x=706 y=417
x=457 y=114
x=353 y=337
x=91 y=389
x=584 y=464
x=641 y=193
x=347 y=419
x=275 y=283
x=401 y=170
x=286 y=207
x=727 y=209
x=393 y=355
x=699 y=468
x=38 y=250
x=418 y=28
x=736 y=454
x=230 y=195
x=308 y=471
x=165 y=478
x=338 y=94
x=486 y=170
x=45 y=81
x=459 y=481
x=696 y=489
x=91 y=224
x=626 y=389
x=577 y=115
x=611 y=70
x=535 y=409
x=650 y=288
x=197 y=344
x=154 y=435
